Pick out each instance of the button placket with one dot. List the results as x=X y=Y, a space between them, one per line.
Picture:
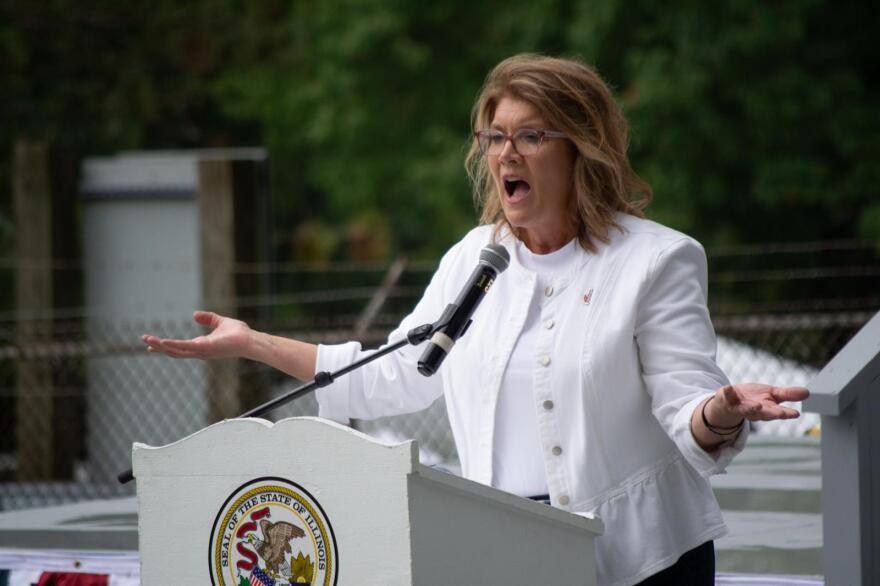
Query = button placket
x=544 y=405
x=555 y=293
x=548 y=424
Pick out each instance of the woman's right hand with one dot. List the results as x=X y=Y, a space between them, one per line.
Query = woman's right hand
x=228 y=338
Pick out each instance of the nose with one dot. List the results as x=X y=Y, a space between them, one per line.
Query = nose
x=509 y=152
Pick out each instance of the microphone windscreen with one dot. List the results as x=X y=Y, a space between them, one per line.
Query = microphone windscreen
x=495 y=256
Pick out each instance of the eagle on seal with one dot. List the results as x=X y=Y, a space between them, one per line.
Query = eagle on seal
x=275 y=543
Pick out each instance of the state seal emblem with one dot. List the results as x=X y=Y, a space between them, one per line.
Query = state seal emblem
x=272 y=532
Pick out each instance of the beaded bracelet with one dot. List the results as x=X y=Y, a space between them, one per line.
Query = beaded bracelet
x=715 y=429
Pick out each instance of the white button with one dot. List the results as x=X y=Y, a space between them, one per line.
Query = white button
x=557 y=451
x=548 y=290
x=545 y=360
x=548 y=405
x=563 y=500
x=549 y=324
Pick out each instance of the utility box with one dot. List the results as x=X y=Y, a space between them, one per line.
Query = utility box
x=165 y=233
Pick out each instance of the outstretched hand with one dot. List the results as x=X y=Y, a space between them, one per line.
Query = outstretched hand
x=755 y=402
x=228 y=338
x=719 y=418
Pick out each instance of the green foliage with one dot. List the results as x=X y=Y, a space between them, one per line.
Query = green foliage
x=372 y=107
x=754 y=121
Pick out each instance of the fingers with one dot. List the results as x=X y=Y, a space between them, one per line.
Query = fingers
x=781 y=394
x=175 y=354
x=152 y=342
x=742 y=403
x=774 y=410
x=196 y=345
x=762 y=402
x=174 y=348
x=207 y=318
x=195 y=348
x=778 y=412
x=769 y=411
x=789 y=413
x=751 y=409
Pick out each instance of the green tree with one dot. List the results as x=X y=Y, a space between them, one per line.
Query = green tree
x=369 y=108
x=754 y=121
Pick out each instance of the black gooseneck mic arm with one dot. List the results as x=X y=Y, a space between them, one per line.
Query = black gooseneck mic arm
x=415 y=337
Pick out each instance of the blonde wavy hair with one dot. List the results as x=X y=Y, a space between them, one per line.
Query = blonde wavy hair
x=573 y=99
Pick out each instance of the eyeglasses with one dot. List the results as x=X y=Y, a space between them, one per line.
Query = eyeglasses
x=526 y=141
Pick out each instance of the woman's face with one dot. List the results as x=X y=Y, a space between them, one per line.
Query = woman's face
x=535 y=190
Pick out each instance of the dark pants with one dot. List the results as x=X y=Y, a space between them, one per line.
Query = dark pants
x=694 y=568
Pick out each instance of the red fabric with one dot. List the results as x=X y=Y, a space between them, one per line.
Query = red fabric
x=69 y=579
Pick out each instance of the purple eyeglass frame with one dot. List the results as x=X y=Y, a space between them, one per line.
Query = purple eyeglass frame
x=509 y=137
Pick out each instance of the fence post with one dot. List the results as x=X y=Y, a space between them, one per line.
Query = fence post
x=216 y=236
x=33 y=301
x=47 y=414
x=232 y=201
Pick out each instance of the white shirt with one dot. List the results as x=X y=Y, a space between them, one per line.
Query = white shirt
x=517 y=457
x=632 y=353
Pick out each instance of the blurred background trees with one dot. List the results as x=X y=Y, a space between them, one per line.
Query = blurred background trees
x=754 y=121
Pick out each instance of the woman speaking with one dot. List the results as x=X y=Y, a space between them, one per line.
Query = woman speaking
x=588 y=374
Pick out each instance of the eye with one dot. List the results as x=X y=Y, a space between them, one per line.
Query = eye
x=529 y=137
x=495 y=138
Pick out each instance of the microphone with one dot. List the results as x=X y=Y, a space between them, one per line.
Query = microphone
x=456 y=317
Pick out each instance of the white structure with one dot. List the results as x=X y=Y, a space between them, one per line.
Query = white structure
x=309 y=500
x=847 y=395
x=140 y=249
x=145 y=236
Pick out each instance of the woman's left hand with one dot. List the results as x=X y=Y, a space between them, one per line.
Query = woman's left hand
x=753 y=401
x=731 y=405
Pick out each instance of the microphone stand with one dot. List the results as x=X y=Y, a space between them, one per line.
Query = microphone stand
x=414 y=337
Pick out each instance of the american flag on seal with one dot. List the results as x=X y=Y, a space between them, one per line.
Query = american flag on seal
x=260 y=578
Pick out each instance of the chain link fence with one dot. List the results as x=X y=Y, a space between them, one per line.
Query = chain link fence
x=76 y=391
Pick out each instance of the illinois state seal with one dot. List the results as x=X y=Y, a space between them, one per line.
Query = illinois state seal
x=272 y=532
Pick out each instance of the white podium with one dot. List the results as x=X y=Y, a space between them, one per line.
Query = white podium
x=305 y=501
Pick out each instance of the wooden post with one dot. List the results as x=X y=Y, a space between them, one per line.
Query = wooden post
x=234 y=221
x=253 y=229
x=217 y=237
x=68 y=402
x=33 y=298
x=48 y=425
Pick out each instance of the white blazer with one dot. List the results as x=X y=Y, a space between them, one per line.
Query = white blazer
x=626 y=353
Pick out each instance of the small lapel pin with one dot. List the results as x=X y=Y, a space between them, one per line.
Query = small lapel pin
x=588 y=296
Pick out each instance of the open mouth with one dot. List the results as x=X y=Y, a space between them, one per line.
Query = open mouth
x=516 y=189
